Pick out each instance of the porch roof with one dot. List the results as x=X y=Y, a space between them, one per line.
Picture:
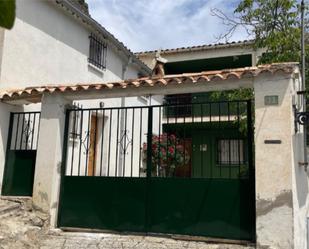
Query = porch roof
x=148 y=84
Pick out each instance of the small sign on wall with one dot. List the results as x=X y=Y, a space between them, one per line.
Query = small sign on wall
x=271 y=100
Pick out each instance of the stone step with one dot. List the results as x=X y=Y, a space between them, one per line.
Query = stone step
x=6 y=207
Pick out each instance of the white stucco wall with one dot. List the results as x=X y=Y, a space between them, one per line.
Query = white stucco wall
x=281 y=185
x=49 y=46
x=49 y=155
x=299 y=178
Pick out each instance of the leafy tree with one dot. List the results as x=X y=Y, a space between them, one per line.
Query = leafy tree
x=273 y=24
x=7 y=13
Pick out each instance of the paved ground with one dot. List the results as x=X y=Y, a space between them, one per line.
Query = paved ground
x=21 y=227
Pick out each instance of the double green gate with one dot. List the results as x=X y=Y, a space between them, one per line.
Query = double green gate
x=170 y=169
x=21 y=154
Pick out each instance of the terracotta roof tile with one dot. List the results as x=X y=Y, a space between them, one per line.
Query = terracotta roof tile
x=187 y=78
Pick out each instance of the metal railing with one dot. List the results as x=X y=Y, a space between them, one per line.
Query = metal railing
x=158 y=141
x=24 y=130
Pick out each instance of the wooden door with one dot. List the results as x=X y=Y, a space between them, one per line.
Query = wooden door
x=93 y=146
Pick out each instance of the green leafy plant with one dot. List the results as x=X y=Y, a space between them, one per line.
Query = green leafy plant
x=7 y=13
x=167 y=153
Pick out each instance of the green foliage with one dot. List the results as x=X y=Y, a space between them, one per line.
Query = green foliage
x=239 y=94
x=7 y=13
x=275 y=25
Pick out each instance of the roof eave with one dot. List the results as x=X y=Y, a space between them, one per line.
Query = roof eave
x=119 y=45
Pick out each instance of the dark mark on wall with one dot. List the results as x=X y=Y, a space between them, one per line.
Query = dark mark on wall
x=272 y=141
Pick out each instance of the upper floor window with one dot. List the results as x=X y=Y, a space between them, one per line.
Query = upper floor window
x=97 y=52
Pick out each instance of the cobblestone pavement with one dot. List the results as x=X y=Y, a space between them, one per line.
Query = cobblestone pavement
x=21 y=227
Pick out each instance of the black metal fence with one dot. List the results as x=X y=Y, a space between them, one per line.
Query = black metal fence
x=198 y=140
x=24 y=130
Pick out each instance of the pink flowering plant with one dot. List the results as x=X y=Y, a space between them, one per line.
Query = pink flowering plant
x=168 y=153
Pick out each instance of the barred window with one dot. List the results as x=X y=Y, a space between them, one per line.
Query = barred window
x=230 y=152
x=97 y=52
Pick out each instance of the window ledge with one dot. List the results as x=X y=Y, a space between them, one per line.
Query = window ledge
x=96 y=68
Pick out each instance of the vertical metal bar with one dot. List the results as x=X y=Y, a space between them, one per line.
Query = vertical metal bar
x=238 y=132
x=192 y=113
x=102 y=142
x=210 y=113
x=33 y=130
x=219 y=113
x=74 y=133
x=176 y=121
x=159 y=142
x=37 y=137
x=17 y=127
x=184 y=135
x=27 y=132
x=167 y=135
x=132 y=140
x=88 y=140
x=117 y=142
x=91 y=49
x=228 y=112
x=230 y=160
x=250 y=163
x=22 y=132
x=109 y=140
x=95 y=144
x=63 y=167
x=220 y=165
x=201 y=107
x=149 y=142
x=202 y=155
x=124 y=145
x=140 y=141
x=105 y=55
x=80 y=139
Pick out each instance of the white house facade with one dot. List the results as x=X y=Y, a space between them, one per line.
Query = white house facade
x=57 y=42
x=102 y=138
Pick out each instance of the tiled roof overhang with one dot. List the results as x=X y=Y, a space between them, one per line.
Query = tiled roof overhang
x=87 y=19
x=232 y=75
x=244 y=43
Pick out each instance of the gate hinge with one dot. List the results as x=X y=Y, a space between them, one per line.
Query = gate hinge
x=300 y=118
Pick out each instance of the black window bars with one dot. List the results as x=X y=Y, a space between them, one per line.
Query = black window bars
x=97 y=52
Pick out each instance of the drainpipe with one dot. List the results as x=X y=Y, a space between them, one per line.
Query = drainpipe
x=303 y=75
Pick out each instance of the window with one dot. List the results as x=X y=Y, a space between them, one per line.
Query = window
x=97 y=52
x=230 y=152
x=180 y=105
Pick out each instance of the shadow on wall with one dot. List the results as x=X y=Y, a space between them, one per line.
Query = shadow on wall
x=46 y=17
x=301 y=177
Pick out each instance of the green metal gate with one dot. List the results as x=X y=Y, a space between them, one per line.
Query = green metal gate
x=182 y=169
x=21 y=154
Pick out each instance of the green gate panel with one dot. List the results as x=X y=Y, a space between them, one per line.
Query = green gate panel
x=202 y=207
x=110 y=203
x=19 y=173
